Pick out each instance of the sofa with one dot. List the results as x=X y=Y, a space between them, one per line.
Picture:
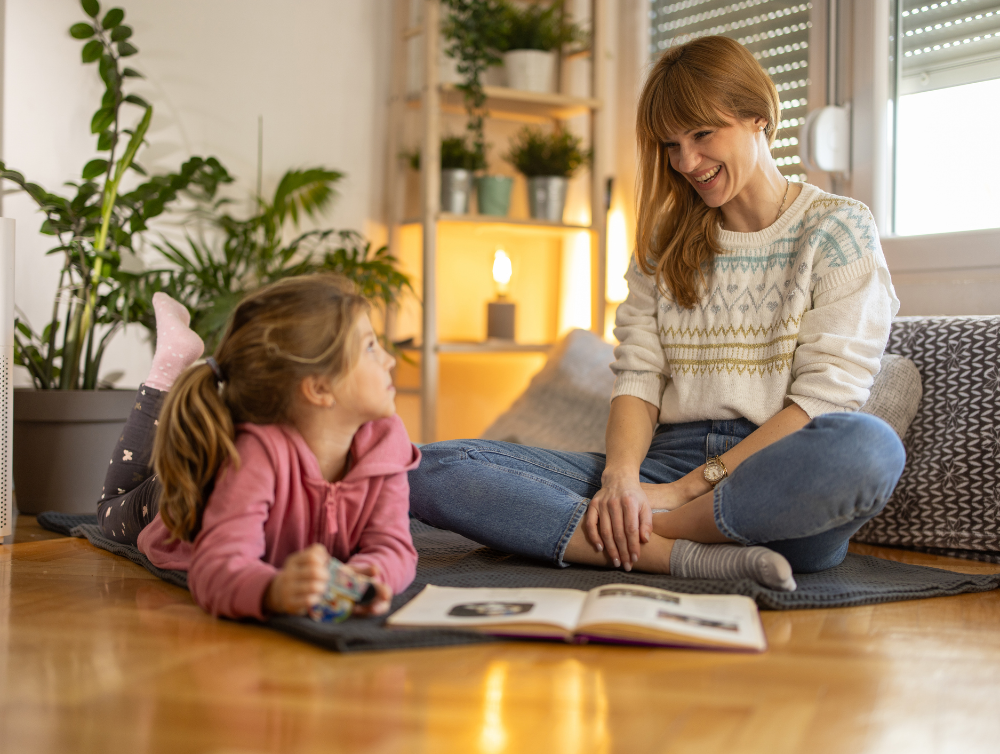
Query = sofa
x=939 y=388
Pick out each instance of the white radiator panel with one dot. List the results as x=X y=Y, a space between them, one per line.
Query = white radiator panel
x=6 y=374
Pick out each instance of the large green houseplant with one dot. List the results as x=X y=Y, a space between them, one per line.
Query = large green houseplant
x=99 y=224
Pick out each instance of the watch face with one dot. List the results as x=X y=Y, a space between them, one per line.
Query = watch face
x=713 y=473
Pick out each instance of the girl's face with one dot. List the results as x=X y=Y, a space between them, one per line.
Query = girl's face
x=720 y=162
x=367 y=390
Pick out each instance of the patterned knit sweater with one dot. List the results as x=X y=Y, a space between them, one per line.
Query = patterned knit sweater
x=799 y=311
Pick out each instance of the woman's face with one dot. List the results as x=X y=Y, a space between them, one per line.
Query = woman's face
x=720 y=162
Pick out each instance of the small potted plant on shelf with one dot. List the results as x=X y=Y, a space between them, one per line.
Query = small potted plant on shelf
x=533 y=34
x=458 y=164
x=548 y=161
x=475 y=31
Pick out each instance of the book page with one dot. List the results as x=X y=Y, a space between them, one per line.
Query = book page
x=728 y=619
x=471 y=608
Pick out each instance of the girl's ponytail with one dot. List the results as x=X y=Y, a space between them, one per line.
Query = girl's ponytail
x=194 y=438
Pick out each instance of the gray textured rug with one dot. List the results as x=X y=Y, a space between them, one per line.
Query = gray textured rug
x=447 y=559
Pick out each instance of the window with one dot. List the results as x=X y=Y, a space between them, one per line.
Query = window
x=775 y=31
x=947 y=82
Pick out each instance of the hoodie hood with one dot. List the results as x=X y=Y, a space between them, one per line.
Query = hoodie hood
x=382 y=448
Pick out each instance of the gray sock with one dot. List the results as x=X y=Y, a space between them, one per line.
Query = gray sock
x=697 y=561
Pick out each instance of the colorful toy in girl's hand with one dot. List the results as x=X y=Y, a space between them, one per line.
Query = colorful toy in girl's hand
x=345 y=589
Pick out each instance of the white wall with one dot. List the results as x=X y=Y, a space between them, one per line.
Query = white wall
x=316 y=70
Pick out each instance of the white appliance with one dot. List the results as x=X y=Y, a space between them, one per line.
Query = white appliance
x=6 y=375
x=825 y=140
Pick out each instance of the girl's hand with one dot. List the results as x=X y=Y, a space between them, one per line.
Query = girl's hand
x=619 y=520
x=300 y=583
x=383 y=594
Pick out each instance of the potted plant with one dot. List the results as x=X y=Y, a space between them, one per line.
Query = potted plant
x=533 y=35
x=66 y=416
x=548 y=161
x=459 y=162
x=211 y=277
x=475 y=31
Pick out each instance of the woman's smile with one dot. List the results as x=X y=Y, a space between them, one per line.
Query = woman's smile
x=707 y=179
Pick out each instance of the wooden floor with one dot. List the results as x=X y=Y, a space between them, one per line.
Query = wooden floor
x=97 y=655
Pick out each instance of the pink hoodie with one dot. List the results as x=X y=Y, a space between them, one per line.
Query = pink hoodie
x=278 y=503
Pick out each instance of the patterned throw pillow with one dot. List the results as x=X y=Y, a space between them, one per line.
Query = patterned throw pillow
x=948 y=499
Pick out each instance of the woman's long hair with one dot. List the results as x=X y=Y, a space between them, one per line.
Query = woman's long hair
x=706 y=82
x=277 y=335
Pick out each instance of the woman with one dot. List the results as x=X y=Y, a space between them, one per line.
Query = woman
x=757 y=314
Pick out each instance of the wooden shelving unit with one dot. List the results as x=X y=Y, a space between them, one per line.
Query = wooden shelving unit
x=435 y=100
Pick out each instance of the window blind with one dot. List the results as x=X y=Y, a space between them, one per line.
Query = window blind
x=775 y=31
x=948 y=43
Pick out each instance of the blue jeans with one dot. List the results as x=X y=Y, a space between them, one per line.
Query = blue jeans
x=803 y=496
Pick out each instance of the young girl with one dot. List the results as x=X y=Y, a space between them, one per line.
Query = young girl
x=281 y=450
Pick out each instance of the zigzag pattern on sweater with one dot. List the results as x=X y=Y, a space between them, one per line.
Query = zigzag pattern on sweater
x=779 y=260
x=847 y=239
x=776 y=364
x=742 y=300
x=753 y=331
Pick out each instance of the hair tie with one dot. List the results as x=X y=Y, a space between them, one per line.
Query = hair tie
x=216 y=369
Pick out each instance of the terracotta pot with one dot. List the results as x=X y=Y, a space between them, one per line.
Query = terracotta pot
x=62 y=442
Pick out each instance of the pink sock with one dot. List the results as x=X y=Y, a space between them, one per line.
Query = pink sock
x=177 y=345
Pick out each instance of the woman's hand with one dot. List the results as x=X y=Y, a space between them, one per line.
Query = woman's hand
x=300 y=583
x=383 y=594
x=671 y=496
x=619 y=519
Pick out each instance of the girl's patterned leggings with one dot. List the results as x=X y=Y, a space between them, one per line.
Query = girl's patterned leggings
x=131 y=494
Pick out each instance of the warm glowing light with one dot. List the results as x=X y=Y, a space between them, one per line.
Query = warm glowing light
x=618 y=257
x=493 y=737
x=502 y=271
x=574 y=293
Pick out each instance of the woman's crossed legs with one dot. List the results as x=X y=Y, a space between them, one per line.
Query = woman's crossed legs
x=802 y=497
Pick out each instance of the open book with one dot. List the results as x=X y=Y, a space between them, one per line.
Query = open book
x=619 y=613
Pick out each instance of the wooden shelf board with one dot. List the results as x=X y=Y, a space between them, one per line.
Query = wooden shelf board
x=486 y=346
x=488 y=222
x=515 y=104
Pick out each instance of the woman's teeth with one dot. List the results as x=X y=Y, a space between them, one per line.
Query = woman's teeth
x=709 y=175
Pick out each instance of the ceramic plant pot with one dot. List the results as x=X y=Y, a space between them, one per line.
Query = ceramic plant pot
x=531 y=70
x=547 y=197
x=493 y=194
x=62 y=442
x=456 y=190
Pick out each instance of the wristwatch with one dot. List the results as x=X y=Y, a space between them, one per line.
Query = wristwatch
x=715 y=471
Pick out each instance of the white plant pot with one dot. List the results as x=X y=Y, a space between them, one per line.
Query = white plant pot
x=531 y=70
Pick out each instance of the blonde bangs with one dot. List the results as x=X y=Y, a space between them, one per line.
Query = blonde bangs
x=678 y=103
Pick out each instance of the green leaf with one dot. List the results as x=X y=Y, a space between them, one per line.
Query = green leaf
x=105 y=141
x=138 y=168
x=120 y=33
x=126 y=49
x=135 y=99
x=91 y=7
x=81 y=31
x=102 y=119
x=109 y=71
x=92 y=51
x=132 y=73
x=94 y=168
x=112 y=18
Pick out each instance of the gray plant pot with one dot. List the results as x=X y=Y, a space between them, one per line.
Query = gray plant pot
x=62 y=442
x=547 y=197
x=456 y=190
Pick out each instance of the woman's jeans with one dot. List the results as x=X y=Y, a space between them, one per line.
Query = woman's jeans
x=803 y=496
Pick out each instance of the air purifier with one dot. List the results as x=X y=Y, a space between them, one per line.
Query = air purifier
x=6 y=376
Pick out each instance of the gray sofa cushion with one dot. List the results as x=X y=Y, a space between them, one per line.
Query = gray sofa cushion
x=566 y=405
x=948 y=499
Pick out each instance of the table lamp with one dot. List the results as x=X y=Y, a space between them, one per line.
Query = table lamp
x=500 y=313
